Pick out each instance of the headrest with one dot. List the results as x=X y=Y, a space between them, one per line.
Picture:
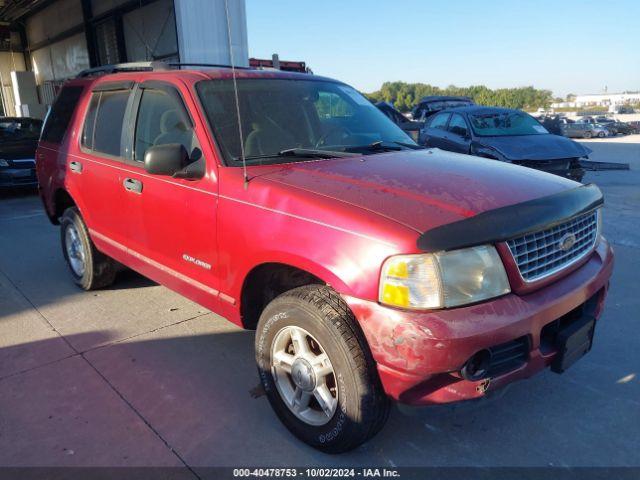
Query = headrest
x=171 y=121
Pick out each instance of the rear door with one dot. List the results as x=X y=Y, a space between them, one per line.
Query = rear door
x=171 y=222
x=435 y=132
x=458 y=138
x=95 y=170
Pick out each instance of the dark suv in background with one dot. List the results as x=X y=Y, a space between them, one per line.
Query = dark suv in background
x=428 y=106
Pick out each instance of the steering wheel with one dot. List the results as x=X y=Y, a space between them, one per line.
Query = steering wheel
x=329 y=132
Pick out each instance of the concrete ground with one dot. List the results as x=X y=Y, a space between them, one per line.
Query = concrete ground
x=136 y=375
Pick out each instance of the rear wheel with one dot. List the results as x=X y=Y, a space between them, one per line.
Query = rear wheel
x=601 y=134
x=588 y=134
x=317 y=371
x=89 y=268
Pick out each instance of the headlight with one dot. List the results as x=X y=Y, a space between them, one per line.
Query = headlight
x=440 y=280
x=3 y=163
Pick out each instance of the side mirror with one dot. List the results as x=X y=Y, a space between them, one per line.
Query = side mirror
x=166 y=159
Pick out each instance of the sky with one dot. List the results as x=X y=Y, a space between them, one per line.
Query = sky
x=566 y=46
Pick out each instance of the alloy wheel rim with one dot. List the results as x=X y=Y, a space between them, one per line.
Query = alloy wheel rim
x=304 y=376
x=75 y=250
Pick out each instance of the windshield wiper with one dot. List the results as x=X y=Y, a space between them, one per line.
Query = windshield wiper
x=300 y=153
x=380 y=146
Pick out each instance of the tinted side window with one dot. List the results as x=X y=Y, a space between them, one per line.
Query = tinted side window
x=90 y=121
x=60 y=114
x=458 y=126
x=162 y=119
x=103 y=124
x=440 y=121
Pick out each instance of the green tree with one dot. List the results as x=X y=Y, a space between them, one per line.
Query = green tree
x=405 y=96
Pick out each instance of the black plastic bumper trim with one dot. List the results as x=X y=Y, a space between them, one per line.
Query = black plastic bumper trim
x=512 y=221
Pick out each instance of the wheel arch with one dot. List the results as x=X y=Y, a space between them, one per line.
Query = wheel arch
x=267 y=280
x=62 y=200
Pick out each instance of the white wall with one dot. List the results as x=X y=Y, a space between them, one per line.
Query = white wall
x=61 y=60
x=9 y=61
x=203 y=35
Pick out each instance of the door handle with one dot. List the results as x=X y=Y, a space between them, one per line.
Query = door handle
x=132 y=185
x=75 y=167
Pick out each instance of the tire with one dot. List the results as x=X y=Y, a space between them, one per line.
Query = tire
x=327 y=325
x=601 y=134
x=588 y=134
x=89 y=268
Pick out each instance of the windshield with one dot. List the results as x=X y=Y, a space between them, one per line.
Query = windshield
x=505 y=124
x=19 y=129
x=282 y=114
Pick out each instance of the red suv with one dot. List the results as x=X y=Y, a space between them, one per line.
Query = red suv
x=370 y=268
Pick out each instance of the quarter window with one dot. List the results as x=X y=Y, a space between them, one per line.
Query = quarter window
x=102 y=131
x=162 y=119
x=60 y=114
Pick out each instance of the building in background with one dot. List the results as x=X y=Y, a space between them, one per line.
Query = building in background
x=54 y=40
x=600 y=100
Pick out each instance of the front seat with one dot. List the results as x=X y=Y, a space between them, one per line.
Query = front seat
x=174 y=130
x=267 y=138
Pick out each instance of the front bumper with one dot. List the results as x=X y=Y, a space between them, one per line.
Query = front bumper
x=419 y=354
x=16 y=177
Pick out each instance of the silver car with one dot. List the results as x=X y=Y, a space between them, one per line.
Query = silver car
x=584 y=130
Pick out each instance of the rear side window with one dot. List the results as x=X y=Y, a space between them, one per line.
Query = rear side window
x=440 y=121
x=60 y=114
x=102 y=131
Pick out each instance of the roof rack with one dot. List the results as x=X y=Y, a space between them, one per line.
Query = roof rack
x=146 y=67
x=123 y=67
x=212 y=65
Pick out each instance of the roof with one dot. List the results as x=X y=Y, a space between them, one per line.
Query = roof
x=215 y=72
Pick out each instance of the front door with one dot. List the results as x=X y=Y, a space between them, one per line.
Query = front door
x=458 y=137
x=171 y=221
x=436 y=132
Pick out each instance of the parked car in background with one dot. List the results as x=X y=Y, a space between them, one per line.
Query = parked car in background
x=507 y=135
x=634 y=126
x=368 y=267
x=411 y=127
x=18 y=142
x=428 y=106
x=584 y=130
x=552 y=123
x=621 y=127
x=603 y=122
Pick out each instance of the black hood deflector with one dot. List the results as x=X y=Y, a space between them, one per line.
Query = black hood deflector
x=512 y=221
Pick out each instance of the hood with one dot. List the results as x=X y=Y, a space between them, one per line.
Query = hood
x=421 y=189
x=535 y=147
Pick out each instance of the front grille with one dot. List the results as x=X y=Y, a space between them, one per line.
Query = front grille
x=543 y=253
x=508 y=356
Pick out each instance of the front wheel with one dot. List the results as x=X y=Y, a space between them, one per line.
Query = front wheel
x=317 y=371
x=602 y=135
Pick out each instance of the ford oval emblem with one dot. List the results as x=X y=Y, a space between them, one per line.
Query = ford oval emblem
x=567 y=242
